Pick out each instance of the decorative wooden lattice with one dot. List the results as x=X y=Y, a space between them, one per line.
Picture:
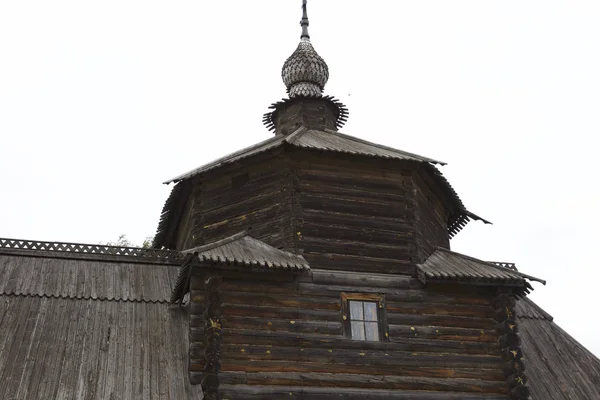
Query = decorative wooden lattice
x=92 y=249
x=511 y=266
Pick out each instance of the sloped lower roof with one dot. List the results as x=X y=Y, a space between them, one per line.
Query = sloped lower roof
x=78 y=328
x=85 y=279
x=557 y=366
x=238 y=250
x=328 y=140
x=444 y=265
x=242 y=249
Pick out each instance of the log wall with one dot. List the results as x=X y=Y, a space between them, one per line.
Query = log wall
x=245 y=197
x=283 y=336
x=365 y=216
x=431 y=219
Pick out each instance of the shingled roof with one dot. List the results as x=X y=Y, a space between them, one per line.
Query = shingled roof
x=237 y=250
x=74 y=326
x=444 y=265
x=558 y=367
x=326 y=140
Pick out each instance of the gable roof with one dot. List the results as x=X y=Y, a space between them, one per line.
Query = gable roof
x=326 y=140
x=85 y=328
x=558 y=367
x=444 y=265
x=237 y=250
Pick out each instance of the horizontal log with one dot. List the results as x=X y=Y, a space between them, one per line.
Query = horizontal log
x=450 y=309
x=226 y=195
x=355 y=248
x=287 y=313
x=442 y=333
x=273 y=324
x=249 y=392
x=276 y=227
x=354 y=263
x=489 y=374
x=349 y=219
x=358 y=357
x=362 y=175
x=306 y=294
x=355 y=207
x=304 y=290
x=241 y=222
x=333 y=186
x=322 y=380
x=242 y=206
x=441 y=320
x=283 y=338
x=266 y=167
x=282 y=300
x=327 y=230
x=360 y=279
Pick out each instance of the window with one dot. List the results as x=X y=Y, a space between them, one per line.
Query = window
x=363 y=316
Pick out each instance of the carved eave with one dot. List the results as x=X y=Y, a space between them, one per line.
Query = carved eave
x=339 y=111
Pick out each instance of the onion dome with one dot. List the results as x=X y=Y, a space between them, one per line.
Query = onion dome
x=305 y=73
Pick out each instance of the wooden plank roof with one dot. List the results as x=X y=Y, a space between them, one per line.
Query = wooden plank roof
x=444 y=265
x=90 y=329
x=243 y=249
x=326 y=140
x=237 y=250
x=85 y=279
x=558 y=367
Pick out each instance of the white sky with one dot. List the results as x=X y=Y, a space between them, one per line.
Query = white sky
x=102 y=101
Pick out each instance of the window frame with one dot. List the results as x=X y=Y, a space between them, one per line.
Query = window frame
x=379 y=299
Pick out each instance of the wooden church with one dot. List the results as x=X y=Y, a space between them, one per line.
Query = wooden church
x=312 y=265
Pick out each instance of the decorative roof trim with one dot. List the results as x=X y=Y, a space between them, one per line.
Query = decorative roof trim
x=89 y=251
x=496 y=266
x=341 y=119
x=446 y=266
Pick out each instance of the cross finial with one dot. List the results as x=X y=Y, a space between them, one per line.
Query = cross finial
x=304 y=22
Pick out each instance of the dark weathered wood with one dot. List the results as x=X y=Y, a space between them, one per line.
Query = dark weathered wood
x=213 y=338
x=487 y=374
x=362 y=381
x=361 y=227
x=268 y=392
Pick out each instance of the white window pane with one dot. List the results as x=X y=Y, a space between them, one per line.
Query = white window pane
x=356 y=310
x=358 y=330
x=370 y=311
x=372 y=331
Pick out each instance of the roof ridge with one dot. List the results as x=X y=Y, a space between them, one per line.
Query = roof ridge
x=296 y=134
x=355 y=139
x=223 y=159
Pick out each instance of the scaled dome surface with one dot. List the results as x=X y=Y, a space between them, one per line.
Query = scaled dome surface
x=305 y=73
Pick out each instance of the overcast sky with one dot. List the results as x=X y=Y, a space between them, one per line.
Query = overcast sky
x=102 y=101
